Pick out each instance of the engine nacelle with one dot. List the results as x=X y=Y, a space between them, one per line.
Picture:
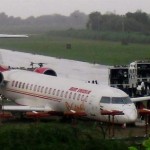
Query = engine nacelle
x=46 y=71
x=4 y=68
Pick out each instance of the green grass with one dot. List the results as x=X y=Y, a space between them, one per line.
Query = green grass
x=55 y=136
x=103 y=52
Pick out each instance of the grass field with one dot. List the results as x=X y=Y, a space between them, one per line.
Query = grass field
x=103 y=52
x=56 y=135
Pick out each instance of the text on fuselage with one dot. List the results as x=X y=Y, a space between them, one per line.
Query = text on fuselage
x=84 y=91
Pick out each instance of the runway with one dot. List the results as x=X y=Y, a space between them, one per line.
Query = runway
x=65 y=68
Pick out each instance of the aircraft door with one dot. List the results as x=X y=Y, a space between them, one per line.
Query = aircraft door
x=92 y=107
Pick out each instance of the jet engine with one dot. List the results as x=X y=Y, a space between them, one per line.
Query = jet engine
x=46 y=71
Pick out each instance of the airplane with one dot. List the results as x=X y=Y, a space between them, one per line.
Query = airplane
x=35 y=91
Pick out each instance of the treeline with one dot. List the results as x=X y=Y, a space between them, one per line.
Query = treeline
x=10 y=24
x=130 y=22
x=128 y=28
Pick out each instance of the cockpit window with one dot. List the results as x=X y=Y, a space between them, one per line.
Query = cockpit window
x=121 y=100
x=116 y=100
x=105 y=100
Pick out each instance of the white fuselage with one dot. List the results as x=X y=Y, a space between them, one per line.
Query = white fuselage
x=59 y=94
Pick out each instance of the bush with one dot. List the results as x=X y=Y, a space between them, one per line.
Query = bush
x=45 y=136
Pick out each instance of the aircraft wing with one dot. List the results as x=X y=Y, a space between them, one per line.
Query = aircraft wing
x=13 y=36
x=52 y=112
x=25 y=108
x=139 y=99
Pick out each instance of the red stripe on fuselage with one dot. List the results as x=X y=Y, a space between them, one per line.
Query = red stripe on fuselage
x=34 y=95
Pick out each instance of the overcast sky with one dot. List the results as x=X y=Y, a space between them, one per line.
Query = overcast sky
x=26 y=8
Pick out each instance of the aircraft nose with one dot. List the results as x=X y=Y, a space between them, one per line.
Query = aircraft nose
x=131 y=114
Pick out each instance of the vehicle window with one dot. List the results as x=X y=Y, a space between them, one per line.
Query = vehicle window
x=105 y=99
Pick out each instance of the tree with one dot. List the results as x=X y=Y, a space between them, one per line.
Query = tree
x=95 y=20
x=111 y=22
x=138 y=21
x=139 y=16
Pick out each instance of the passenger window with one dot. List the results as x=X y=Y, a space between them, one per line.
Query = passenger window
x=74 y=96
x=13 y=83
x=82 y=98
x=38 y=90
x=42 y=89
x=46 y=90
x=105 y=100
x=58 y=92
x=16 y=84
x=50 y=89
x=20 y=84
x=27 y=85
x=66 y=94
x=86 y=98
x=54 y=91
x=23 y=85
x=79 y=97
x=70 y=94
x=31 y=86
x=35 y=87
x=62 y=93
